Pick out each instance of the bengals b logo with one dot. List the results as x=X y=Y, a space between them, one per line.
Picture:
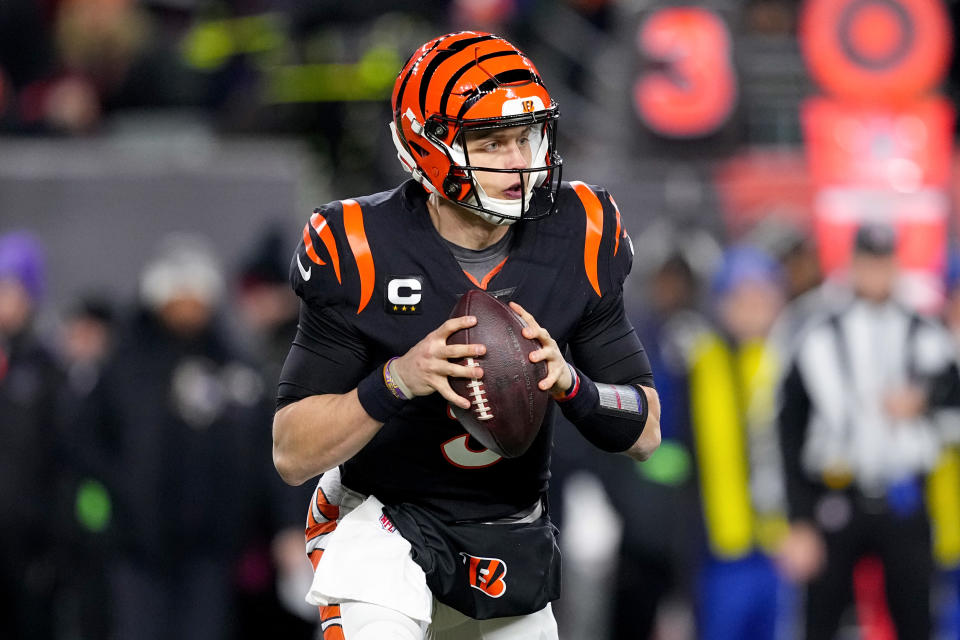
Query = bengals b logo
x=486 y=574
x=528 y=106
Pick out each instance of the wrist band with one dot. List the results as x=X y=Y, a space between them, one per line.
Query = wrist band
x=574 y=388
x=609 y=416
x=395 y=383
x=584 y=402
x=377 y=400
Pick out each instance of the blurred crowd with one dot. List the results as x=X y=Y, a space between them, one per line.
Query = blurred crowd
x=321 y=71
x=140 y=498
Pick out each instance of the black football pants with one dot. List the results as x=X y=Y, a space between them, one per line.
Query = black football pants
x=903 y=545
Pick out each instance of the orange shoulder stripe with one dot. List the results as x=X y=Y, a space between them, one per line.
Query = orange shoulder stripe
x=616 y=238
x=594 y=233
x=357 y=238
x=308 y=243
x=319 y=224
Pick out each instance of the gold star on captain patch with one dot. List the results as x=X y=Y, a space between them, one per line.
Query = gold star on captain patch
x=394 y=307
x=403 y=309
x=413 y=308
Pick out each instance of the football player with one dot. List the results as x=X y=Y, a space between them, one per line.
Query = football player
x=416 y=530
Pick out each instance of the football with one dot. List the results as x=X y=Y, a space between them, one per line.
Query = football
x=507 y=407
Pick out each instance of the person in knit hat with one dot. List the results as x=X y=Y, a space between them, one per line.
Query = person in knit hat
x=30 y=381
x=22 y=280
x=171 y=428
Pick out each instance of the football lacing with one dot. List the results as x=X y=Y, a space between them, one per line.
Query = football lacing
x=477 y=392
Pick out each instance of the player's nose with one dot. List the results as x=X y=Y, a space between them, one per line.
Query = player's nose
x=518 y=156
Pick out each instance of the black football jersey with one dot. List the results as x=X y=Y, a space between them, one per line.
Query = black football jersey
x=375 y=277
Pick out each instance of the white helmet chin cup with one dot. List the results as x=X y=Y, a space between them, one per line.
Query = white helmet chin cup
x=510 y=210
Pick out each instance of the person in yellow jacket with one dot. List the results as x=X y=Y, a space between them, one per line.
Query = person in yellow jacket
x=943 y=485
x=732 y=382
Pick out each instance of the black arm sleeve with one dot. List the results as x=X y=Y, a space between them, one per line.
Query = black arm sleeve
x=326 y=357
x=792 y=421
x=606 y=347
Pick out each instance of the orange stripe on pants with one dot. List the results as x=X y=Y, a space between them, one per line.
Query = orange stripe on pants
x=333 y=631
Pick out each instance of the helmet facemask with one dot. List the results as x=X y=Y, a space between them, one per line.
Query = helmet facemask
x=539 y=181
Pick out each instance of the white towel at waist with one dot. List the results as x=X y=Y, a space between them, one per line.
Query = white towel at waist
x=367 y=560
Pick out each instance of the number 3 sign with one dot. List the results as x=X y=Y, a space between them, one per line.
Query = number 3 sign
x=689 y=87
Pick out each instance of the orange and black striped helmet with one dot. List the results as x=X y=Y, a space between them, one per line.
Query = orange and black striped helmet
x=472 y=81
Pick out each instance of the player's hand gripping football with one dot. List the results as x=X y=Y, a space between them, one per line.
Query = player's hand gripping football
x=425 y=367
x=558 y=378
